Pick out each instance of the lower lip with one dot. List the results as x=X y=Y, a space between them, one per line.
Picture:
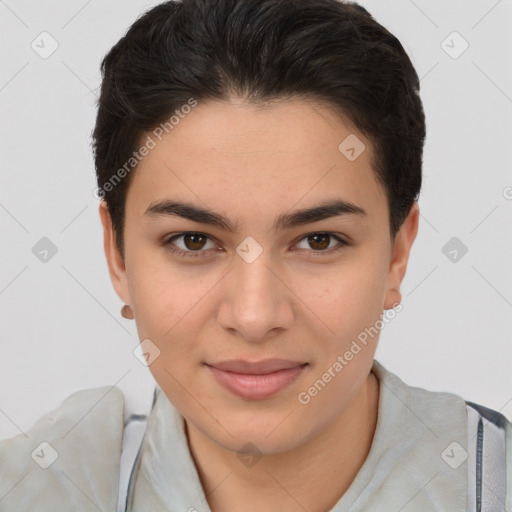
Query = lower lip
x=256 y=387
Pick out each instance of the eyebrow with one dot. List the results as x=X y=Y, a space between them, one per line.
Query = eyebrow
x=325 y=210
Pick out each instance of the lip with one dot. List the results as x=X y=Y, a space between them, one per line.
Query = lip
x=256 y=380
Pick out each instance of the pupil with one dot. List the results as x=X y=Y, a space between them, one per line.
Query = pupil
x=194 y=237
x=324 y=236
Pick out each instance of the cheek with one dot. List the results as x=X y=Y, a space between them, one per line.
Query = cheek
x=163 y=301
x=349 y=300
x=161 y=291
x=167 y=309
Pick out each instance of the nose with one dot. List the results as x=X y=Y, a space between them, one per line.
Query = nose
x=258 y=302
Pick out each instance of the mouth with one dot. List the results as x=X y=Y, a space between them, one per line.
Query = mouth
x=256 y=380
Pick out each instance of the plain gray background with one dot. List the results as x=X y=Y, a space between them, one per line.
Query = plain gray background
x=61 y=327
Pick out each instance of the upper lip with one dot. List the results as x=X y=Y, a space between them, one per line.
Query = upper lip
x=256 y=367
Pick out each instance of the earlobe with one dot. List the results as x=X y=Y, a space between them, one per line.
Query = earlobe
x=393 y=298
x=400 y=256
x=116 y=265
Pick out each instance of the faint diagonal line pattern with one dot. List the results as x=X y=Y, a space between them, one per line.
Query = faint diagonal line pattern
x=197 y=302
x=424 y=14
x=14 y=218
x=199 y=403
x=413 y=412
x=13 y=279
x=74 y=218
x=96 y=300
x=10 y=419
x=488 y=215
x=279 y=424
x=14 y=76
x=420 y=490
x=96 y=403
x=491 y=285
x=287 y=492
x=446 y=83
x=428 y=72
x=91 y=90
x=206 y=494
x=82 y=491
x=13 y=13
x=492 y=81
x=490 y=490
x=422 y=281
x=76 y=14
x=485 y=15
x=429 y=223
x=183 y=183
x=14 y=486
x=309 y=309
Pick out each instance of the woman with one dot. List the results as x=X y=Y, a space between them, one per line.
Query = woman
x=259 y=165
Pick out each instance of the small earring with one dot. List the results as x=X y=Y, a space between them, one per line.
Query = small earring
x=126 y=312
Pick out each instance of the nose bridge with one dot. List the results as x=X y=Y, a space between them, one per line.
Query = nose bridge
x=255 y=282
x=253 y=262
x=258 y=302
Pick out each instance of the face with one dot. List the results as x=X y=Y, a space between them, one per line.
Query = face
x=250 y=303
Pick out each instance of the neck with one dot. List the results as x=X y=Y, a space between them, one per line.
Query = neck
x=313 y=476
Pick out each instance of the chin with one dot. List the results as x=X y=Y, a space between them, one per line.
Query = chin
x=268 y=437
x=257 y=443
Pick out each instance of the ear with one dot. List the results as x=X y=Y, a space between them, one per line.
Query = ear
x=400 y=256
x=116 y=265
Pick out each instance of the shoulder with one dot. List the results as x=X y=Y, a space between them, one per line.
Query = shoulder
x=69 y=454
x=439 y=412
x=463 y=446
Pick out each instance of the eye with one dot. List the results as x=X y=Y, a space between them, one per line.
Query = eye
x=193 y=242
x=320 y=242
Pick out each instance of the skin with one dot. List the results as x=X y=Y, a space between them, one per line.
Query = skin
x=292 y=302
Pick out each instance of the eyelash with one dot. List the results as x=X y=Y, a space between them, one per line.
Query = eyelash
x=198 y=254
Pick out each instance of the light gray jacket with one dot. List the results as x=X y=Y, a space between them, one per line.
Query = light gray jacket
x=431 y=451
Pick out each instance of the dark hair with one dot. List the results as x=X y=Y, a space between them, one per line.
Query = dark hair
x=261 y=50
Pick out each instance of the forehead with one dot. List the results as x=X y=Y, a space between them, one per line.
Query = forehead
x=270 y=158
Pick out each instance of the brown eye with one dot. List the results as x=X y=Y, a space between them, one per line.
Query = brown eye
x=194 y=241
x=190 y=244
x=320 y=242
